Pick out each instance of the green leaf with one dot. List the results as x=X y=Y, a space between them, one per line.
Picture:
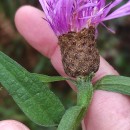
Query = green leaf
x=47 y=79
x=31 y=95
x=71 y=118
x=119 y=84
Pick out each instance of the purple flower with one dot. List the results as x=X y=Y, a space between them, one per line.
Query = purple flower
x=74 y=15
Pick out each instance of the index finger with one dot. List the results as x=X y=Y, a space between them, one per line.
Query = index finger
x=31 y=25
x=39 y=35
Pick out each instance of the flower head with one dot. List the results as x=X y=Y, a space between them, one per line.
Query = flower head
x=74 y=15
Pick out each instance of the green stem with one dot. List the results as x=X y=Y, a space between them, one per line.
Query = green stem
x=74 y=115
x=85 y=92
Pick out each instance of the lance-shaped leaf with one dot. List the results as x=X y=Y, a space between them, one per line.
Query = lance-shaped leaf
x=32 y=96
x=48 y=79
x=71 y=118
x=119 y=84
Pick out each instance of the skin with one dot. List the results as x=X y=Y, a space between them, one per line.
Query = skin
x=108 y=110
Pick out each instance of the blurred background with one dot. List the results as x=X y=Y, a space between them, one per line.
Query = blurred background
x=115 y=48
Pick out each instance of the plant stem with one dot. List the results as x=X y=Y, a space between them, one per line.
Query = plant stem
x=74 y=115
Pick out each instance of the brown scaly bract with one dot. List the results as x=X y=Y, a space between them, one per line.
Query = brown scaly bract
x=80 y=56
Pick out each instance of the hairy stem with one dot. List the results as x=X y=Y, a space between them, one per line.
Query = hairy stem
x=74 y=115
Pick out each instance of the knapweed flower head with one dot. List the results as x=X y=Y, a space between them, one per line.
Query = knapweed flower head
x=73 y=15
x=75 y=22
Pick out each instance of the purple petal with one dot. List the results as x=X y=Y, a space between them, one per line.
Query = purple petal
x=73 y=15
x=112 y=4
x=122 y=11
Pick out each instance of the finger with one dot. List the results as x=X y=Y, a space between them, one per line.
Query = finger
x=104 y=69
x=30 y=23
x=108 y=111
x=38 y=33
x=12 y=125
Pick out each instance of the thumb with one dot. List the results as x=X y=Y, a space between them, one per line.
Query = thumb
x=12 y=125
x=108 y=110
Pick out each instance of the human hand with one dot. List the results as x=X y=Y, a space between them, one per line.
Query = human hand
x=12 y=125
x=108 y=111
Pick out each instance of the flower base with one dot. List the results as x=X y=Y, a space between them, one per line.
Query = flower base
x=80 y=56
